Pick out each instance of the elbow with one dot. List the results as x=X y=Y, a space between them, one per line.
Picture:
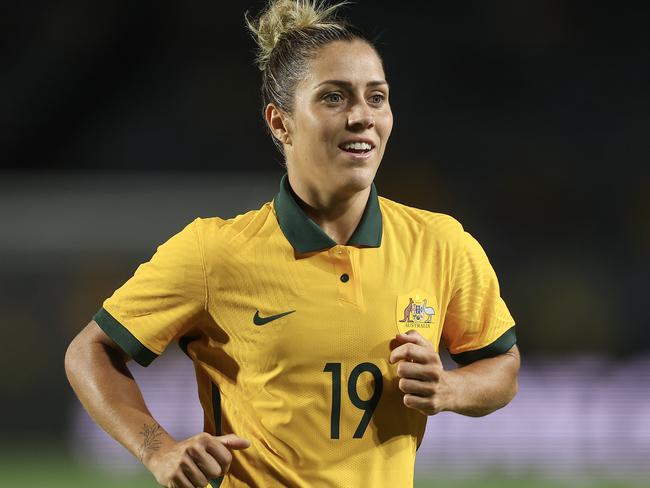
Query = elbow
x=507 y=395
x=514 y=389
x=72 y=358
x=77 y=358
x=515 y=364
x=510 y=376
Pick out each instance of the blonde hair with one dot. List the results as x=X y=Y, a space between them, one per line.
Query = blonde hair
x=283 y=16
x=288 y=34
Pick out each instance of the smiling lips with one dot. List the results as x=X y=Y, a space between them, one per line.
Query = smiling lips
x=359 y=147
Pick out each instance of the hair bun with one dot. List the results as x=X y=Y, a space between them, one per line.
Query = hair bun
x=281 y=17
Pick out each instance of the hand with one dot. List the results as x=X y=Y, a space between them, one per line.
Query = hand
x=425 y=383
x=193 y=462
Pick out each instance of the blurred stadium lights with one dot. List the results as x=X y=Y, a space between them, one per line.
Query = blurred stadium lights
x=576 y=418
x=108 y=213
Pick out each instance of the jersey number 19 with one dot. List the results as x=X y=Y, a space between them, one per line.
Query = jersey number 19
x=368 y=406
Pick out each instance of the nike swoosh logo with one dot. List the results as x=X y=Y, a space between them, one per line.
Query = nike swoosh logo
x=257 y=320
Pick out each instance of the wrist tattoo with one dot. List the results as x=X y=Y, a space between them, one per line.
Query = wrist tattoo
x=151 y=440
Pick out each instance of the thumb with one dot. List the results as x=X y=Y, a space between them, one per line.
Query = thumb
x=231 y=441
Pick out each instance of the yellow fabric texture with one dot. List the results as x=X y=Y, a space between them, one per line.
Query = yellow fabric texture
x=278 y=380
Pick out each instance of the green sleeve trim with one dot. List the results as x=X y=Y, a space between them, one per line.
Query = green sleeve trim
x=183 y=343
x=216 y=412
x=123 y=338
x=501 y=345
x=216 y=408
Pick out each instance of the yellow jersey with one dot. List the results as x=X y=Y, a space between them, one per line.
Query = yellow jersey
x=289 y=332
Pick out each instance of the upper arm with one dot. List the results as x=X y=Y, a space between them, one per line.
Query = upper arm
x=93 y=334
x=512 y=366
x=513 y=353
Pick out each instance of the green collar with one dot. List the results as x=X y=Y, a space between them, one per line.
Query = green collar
x=304 y=234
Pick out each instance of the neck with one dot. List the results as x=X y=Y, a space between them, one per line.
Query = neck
x=337 y=214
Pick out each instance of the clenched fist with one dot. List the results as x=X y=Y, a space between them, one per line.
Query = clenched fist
x=421 y=376
x=193 y=462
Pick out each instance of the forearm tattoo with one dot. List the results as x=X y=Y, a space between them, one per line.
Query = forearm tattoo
x=151 y=440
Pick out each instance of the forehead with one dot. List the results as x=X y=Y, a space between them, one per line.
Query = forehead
x=353 y=61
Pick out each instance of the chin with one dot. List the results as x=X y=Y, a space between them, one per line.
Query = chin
x=357 y=178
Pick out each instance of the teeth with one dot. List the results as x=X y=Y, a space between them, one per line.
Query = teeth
x=358 y=146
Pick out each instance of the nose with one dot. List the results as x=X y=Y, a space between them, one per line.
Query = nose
x=360 y=116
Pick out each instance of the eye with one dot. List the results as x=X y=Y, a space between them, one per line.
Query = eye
x=333 y=98
x=377 y=99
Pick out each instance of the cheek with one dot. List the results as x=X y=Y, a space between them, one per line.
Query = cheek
x=311 y=132
x=316 y=132
x=386 y=126
x=320 y=134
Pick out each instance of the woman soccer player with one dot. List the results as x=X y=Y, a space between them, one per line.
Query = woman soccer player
x=313 y=322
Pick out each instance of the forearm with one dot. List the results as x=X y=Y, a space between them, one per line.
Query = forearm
x=109 y=393
x=486 y=385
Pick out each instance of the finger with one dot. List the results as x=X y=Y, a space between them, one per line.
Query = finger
x=231 y=441
x=412 y=352
x=413 y=336
x=417 y=387
x=193 y=473
x=221 y=454
x=208 y=465
x=219 y=449
x=180 y=481
x=417 y=371
x=417 y=402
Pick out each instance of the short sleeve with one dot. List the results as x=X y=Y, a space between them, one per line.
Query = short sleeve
x=164 y=299
x=477 y=324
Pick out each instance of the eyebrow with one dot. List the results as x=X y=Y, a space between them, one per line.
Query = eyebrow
x=347 y=84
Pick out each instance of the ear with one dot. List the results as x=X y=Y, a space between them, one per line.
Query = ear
x=278 y=122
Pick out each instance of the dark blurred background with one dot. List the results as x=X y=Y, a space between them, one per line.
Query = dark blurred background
x=122 y=121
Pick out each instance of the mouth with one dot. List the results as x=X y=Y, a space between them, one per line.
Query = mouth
x=357 y=148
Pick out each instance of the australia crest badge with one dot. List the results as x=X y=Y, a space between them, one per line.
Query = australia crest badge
x=417 y=311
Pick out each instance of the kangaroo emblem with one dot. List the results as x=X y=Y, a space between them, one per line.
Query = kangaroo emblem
x=407 y=311
x=418 y=312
